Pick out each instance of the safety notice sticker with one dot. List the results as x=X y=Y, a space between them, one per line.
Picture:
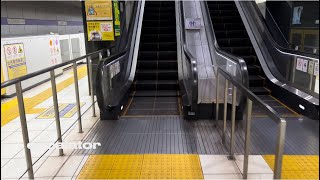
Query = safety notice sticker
x=299 y=64
x=15 y=59
x=65 y=111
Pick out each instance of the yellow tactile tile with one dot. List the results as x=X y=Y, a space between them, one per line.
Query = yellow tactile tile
x=124 y=174
x=94 y=174
x=297 y=166
x=9 y=110
x=147 y=166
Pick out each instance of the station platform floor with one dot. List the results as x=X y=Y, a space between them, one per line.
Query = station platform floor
x=152 y=147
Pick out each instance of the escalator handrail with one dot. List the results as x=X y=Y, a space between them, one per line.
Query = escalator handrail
x=260 y=18
x=235 y=59
x=108 y=61
x=192 y=61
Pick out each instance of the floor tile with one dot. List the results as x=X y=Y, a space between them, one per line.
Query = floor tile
x=16 y=137
x=218 y=164
x=5 y=134
x=10 y=150
x=257 y=165
x=50 y=167
x=14 y=168
x=70 y=167
x=222 y=176
x=4 y=161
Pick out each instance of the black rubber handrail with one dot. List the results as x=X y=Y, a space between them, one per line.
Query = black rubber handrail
x=192 y=61
x=274 y=43
x=258 y=18
x=106 y=62
x=42 y=71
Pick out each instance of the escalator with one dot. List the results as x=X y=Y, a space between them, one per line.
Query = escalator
x=155 y=89
x=232 y=37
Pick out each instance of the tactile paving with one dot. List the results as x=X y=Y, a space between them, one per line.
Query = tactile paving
x=142 y=166
x=297 y=166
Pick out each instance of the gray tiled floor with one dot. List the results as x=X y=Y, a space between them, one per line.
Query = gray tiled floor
x=172 y=134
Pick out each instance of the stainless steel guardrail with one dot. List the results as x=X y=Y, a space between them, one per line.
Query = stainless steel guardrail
x=251 y=98
x=22 y=113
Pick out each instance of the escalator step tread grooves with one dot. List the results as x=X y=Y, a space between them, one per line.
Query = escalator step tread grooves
x=157 y=72
x=232 y=37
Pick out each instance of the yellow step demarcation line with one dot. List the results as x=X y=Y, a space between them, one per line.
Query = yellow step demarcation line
x=297 y=166
x=142 y=166
x=10 y=111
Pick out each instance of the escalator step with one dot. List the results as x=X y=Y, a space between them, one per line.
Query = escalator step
x=156 y=85
x=160 y=46
x=232 y=34
x=239 y=51
x=223 y=13
x=157 y=55
x=227 y=26
x=228 y=42
x=156 y=30
x=158 y=37
x=158 y=74
x=260 y=90
x=256 y=81
x=253 y=69
x=164 y=64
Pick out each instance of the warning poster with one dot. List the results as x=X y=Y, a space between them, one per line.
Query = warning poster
x=54 y=50
x=100 y=31
x=98 y=10
x=299 y=64
x=15 y=59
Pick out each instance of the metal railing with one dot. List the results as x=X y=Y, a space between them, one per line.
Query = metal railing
x=22 y=113
x=265 y=107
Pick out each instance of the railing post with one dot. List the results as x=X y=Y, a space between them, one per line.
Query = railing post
x=225 y=110
x=247 y=139
x=56 y=109
x=76 y=87
x=91 y=86
x=24 y=129
x=217 y=97
x=279 y=150
x=233 y=122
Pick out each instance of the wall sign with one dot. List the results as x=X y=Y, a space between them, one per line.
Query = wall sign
x=192 y=23
x=299 y=64
x=296 y=18
x=15 y=59
x=310 y=68
x=100 y=31
x=305 y=66
x=98 y=10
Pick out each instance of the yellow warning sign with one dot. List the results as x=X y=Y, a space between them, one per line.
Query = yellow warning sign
x=65 y=111
x=15 y=59
x=3 y=90
x=98 y=10
x=100 y=31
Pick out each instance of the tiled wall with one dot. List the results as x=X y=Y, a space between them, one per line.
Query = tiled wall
x=40 y=17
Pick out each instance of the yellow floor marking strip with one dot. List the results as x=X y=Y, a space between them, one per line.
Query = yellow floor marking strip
x=285 y=106
x=297 y=166
x=10 y=111
x=142 y=166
